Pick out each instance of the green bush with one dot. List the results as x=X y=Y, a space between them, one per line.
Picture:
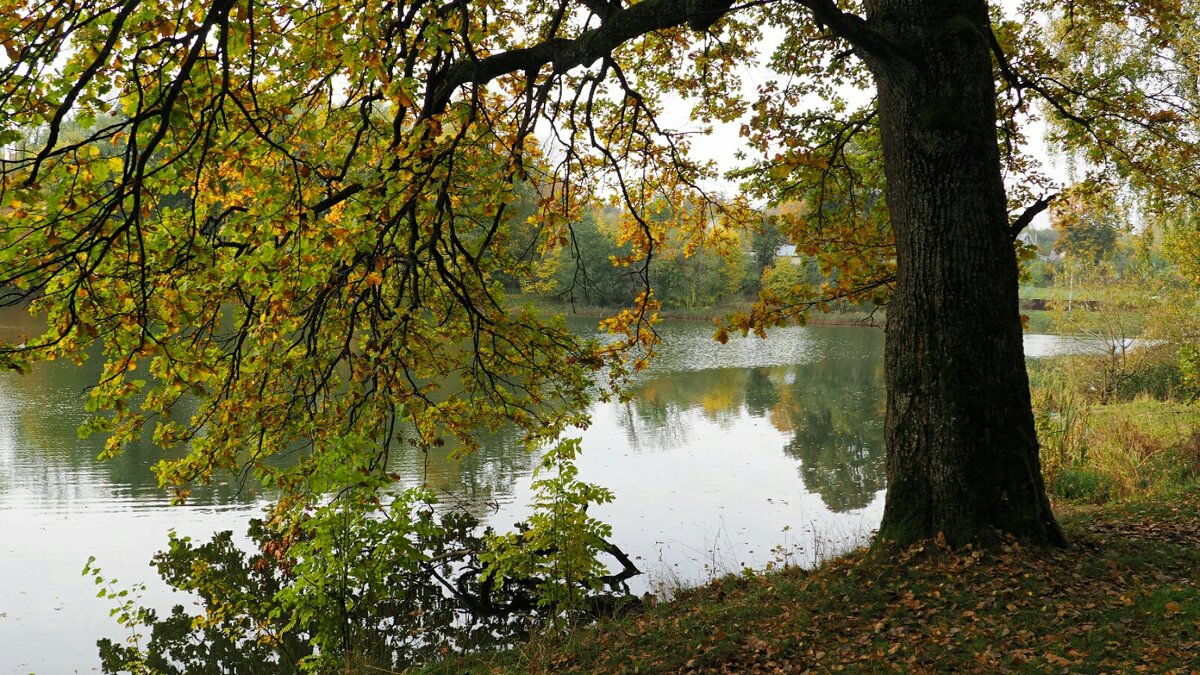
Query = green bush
x=360 y=583
x=1140 y=439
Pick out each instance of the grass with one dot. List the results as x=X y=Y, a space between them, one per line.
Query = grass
x=1124 y=596
x=1078 y=293
x=1143 y=447
x=1038 y=321
x=1116 y=429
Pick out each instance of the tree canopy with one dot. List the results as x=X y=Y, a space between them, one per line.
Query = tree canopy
x=290 y=224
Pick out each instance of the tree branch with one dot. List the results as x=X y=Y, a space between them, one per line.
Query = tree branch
x=628 y=569
x=1029 y=214
x=620 y=26
x=562 y=53
x=335 y=199
x=1020 y=82
x=77 y=88
x=853 y=29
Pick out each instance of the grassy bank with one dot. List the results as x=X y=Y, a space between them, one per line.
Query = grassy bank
x=1124 y=596
x=1130 y=449
x=1116 y=427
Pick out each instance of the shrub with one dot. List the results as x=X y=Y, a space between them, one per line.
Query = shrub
x=356 y=583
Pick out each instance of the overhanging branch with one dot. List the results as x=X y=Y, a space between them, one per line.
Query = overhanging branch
x=620 y=26
x=563 y=53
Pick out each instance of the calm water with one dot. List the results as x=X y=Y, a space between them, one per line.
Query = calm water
x=727 y=456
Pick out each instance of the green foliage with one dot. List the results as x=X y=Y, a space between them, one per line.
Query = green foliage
x=1145 y=446
x=765 y=240
x=1118 y=421
x=1142 y=440
x=128 y=615
x=705 y=278
x=1124 y=92
x=1189 y=368
x=595 y=269
x=1060 y=417
x=560 y=544
x=1175 y=322
x=1037 y=271
x=355 y=566
x=1109 y=310
x=236 y=632
x=267 y=612
x=784 y=280
x=830 y=206
x=1158 y=374
x=369 y=580
x=1088 y=221
x=589 y=269
x=272 y=264
x=1181 y=241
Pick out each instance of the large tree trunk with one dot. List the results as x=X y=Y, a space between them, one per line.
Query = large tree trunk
x=962 y=453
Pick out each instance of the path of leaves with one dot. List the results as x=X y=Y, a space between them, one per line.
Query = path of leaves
x=1124 y=597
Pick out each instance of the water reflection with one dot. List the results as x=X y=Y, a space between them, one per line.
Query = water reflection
x=44 y=461
x=479 y=481
x=59 y=504
x=830 y=406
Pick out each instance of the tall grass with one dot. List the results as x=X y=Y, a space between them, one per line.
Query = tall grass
x=1061 y=417
x=1146 y=446
x=1097 y=447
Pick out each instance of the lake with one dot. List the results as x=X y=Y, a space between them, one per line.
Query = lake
x=726 y=456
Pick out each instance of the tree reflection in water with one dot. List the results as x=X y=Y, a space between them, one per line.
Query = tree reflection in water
x=831 y=406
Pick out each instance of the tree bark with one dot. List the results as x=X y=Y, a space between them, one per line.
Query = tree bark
x=962 y=452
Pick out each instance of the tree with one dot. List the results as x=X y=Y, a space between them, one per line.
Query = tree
x=764 y=242
x=962 y=452
x=590 y=274
x=1088 y=223
x=348 y=167
x=700 y=276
